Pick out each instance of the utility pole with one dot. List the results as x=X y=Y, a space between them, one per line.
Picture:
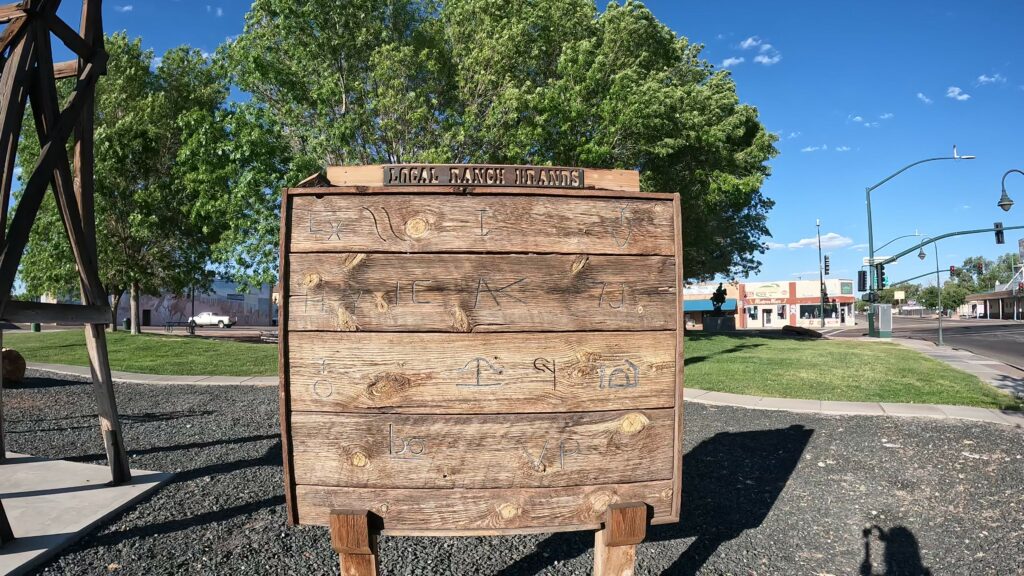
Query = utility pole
x=821 y=276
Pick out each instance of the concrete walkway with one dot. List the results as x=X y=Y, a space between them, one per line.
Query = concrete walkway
x=133 y=378
x=1004 y=377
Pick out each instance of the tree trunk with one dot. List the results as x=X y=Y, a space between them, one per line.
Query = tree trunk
x=115 y=303
x=134 y=305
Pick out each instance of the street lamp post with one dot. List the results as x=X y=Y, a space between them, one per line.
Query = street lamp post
x=1004 y=201
x=938 y=283
x=821 y=278
x=872 y=331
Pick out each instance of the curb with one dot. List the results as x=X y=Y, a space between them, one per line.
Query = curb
x=843 y=408
x=133 y=378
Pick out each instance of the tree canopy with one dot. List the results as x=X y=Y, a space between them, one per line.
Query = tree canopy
x=519 y=82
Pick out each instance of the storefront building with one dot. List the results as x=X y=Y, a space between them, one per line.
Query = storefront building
x=1006 y=302
x=795 y=303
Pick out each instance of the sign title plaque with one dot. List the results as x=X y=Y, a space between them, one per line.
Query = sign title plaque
x=482 y=175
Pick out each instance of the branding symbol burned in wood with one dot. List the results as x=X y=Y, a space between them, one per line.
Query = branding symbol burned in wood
x=611 y=304
x=622 y=224
x=409 y=448
x=482 y=285
x=630 y=376
x=478 y=364
x=545 y=365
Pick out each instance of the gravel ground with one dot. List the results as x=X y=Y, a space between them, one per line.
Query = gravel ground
x=764 y=493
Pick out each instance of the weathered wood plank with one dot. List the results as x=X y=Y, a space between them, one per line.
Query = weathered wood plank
x=494 y=224
x=486 y=512
x=65 y=69
x=46 y=313
x=481 y=373
x=485 y=293
x=495 y=451
x=373 y=175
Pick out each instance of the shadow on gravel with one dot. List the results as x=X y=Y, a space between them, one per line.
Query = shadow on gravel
x=175 y=447
x=901 y=556
x=33 y=383
x=730 y=483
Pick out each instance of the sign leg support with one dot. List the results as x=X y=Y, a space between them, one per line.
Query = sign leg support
x=6 y=535
x=354 y=537
x=625 y=526
x=106 y=405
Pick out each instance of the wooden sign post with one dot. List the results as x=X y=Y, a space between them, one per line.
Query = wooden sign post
x=481 y=350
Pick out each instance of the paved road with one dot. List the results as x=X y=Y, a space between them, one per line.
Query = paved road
x=764 y=493
x=996 y=339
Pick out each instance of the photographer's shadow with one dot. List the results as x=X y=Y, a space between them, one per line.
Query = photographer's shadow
x=730 y=483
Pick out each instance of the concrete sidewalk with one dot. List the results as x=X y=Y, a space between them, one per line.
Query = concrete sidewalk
x=133 y=378
x=1000 y=375
x=1005 y=417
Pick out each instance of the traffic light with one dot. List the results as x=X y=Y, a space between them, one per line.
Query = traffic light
x=981 y=268
x=883 y=280
x=862 y=281
x=826 y=265
x=999 y=233
x=952 y=270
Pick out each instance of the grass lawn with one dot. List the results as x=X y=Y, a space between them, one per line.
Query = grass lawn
x=151 y=353
x=831 y=370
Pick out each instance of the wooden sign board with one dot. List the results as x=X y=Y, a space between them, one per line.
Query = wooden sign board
x=480 y=359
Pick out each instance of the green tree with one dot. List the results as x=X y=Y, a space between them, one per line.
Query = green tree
x=181 y=181
x=929 y=297
x=953 y=295
x=521 y=81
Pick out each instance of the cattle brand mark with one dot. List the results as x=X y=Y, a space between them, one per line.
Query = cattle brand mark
x=630 y=376
x=479 y=370
x=410 y=448
x=566 y=447
x=482 y=285
x=323 y=389
x=376 y=224
x=622 y=223
x=482 y=212
x=622 y=296
x=545 y=365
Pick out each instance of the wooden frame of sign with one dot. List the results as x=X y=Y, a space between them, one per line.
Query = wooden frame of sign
x=481 y=350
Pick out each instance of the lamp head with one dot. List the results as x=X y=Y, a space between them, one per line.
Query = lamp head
x=921 y=254
x=957 y=156
x=1004 y=201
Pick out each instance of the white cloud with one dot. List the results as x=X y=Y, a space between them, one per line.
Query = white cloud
x=830 y=240
x=842 y=148
x=774 y=245
x=768 y=60
x=887 y=116
x=750 y=43
x=993 y=79
x=123 y=8
x=857 y=118
x=965 y=207
x=220 y=12
x=923 y=98
x=810 y=149
x=956 y=93
x=765 y=48
x=730 y=62
x=871 y=124
x=858 y=247
x=794 y=135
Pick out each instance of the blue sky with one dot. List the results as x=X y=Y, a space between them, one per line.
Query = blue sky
x=855 y=91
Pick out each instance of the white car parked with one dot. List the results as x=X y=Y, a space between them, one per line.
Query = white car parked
x=211 y=319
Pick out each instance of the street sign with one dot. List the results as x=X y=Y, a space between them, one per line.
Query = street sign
x=899 y=295
x=878 y=259
x=481 y=359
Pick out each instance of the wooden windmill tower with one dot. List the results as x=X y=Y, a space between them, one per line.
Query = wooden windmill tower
x=29 y=79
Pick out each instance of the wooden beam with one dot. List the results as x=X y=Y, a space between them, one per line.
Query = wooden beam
x=615 y=545
x=47 y=313
x=6 y=534
x=35 y=188
x=44 y=107
x=11 y=32
x=13 y=95
x=69 y=37
x=354 y=538
x=65 y=69
x=9 y=12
